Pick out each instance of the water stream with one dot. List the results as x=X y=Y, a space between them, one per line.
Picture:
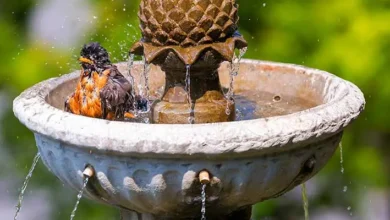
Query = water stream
x=341 y=158
x=305 y=201
x=144 y=89
x=23 y=190
x=130 y=64
x=345 y=188
x=79 y=196
x=203 y=210
x=191 y=118
x=234 y=69
x=130 y=77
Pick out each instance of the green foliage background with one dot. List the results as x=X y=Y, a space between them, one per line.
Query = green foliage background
x=350 y=38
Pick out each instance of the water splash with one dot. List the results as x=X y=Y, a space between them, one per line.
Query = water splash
x=203 y=210
x=22 y=191
x=305 y=201
x=144 y=89
x=79 y=196
x=234 y=69
x=191 y=118
x=341 y=158
x=130 y=77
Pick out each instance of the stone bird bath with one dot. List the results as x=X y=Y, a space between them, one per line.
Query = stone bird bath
x=289 y=120
x=153 y=168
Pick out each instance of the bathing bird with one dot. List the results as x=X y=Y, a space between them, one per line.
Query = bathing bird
x=102 y=91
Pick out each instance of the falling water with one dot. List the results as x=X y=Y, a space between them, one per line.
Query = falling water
x=240 y=56
x=28 y=177
x=234 y=69
x=130 y=64
x=229 y=94
x=144 y=90
x=203 y=210
x=345 y=188
x=305 y=202
x=341 y=158
x=191 y=118
x=79 y=196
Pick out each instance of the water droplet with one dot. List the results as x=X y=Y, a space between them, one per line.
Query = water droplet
x=345 y=189
x=264 y=4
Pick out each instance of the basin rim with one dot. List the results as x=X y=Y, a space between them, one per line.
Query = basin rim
x=219 y=140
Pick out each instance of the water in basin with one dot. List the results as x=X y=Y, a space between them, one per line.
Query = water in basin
x=258 y=92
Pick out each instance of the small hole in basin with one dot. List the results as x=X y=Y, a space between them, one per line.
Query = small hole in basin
x=277 y=98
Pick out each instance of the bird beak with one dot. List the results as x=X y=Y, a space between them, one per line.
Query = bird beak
x=129 y=115
x=85 y=60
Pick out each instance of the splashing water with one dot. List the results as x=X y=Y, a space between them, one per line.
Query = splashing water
x=234 y=69
x=341 y=158
x=79 y=196
x=305 y=202
x=191 y=119
x=22 y=191
x=203 y=210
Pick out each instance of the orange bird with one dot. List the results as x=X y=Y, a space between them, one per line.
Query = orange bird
x=102 y=91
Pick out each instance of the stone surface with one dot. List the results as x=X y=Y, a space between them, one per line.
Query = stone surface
x=153 y=168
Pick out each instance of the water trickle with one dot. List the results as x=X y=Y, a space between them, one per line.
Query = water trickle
x=191 y=118
x=229 y=94
x=130 y=64
x=203 y=210
x=22 y=191
x=130 y=77
x=144 y=89
x=341 y=158
x=79 y=196
x=234 y=69
x=305 y=201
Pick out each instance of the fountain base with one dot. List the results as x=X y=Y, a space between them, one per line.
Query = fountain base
x=192 y=92
x=212 y=107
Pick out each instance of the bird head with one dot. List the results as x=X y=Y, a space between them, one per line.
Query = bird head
x=93 y=55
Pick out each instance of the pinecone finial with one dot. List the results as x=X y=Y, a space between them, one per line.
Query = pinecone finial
x=187 y=22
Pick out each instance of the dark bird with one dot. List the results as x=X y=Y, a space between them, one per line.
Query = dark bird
x=102 y=91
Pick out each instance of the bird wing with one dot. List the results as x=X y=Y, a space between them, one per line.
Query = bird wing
x=116 y=93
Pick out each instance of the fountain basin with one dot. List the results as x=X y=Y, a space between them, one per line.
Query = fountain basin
x=300 y=114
